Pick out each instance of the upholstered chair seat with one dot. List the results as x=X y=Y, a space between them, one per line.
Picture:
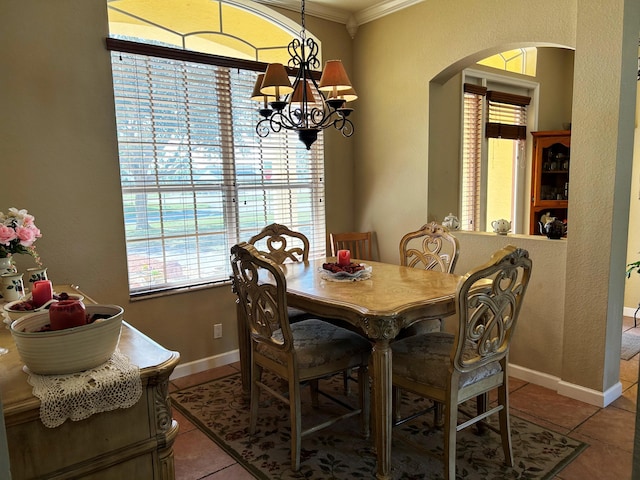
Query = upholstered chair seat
x=318 y=344
x=411 y=354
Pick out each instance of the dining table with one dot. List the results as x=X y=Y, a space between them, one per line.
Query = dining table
x=379 y=306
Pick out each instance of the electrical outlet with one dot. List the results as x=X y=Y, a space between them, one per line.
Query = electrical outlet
x=217 y=330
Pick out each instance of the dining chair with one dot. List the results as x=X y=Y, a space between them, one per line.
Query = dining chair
x=359 y=243
x=281 y=244
x=454 y=368
x=305 y=351
x=431 y=247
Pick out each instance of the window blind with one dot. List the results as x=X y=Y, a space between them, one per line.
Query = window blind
x=472 y=156
x=507 y=116
x=195 y=176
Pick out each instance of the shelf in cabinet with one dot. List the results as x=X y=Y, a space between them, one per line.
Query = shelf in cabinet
x=551 y=203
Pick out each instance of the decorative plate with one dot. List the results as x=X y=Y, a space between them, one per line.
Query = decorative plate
x=343 y=276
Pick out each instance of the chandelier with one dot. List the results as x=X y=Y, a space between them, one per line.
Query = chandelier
x=306 y=106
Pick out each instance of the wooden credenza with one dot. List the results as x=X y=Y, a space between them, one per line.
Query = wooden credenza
x=134 y=443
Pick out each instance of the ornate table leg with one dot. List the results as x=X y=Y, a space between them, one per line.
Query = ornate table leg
x=381 y=359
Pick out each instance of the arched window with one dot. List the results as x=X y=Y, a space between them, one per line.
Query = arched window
x=520 y=60
x=195 y=176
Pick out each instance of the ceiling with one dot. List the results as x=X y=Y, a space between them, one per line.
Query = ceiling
x=349 y=12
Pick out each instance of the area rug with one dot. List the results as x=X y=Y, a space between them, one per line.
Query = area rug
x=630 y=346
x=340 y=452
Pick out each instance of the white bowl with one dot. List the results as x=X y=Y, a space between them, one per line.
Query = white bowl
x=16 y=314
x=70 y=350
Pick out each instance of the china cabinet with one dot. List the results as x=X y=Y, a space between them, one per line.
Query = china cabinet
x=550 y=176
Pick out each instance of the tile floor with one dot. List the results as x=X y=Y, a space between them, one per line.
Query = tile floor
x=608 y=431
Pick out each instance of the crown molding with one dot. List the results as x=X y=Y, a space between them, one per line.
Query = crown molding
x=379 y=10
x=382 y=9
x=321 y=11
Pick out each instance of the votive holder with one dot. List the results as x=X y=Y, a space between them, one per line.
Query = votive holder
x=35 y=274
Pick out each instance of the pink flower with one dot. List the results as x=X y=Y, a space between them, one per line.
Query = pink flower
x=27 y=221
x=7 y=234
x=27 y=235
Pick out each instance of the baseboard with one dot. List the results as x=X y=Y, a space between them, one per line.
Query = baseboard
x=203 y=364
x=629 y=311
x=533 y=376
x=577 y=392
x=587 y=395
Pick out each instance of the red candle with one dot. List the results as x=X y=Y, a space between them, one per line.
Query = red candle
x=42 y=292
x=344 y=257
x=67 y=314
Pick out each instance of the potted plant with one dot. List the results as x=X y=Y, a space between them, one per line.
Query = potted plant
x=631 y=267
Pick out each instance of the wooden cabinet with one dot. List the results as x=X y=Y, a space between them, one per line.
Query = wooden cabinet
x=550 y=176
x=132 y=443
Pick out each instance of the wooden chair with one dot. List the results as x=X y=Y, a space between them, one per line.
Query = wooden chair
x=359 y=243
x=451 y=369
x=432 y=247
x=281 y=244
x=301 y=352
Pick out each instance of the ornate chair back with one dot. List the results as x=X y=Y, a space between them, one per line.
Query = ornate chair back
x=263 y=304
x=281 y=244
x=432 y=247
x=489 y=299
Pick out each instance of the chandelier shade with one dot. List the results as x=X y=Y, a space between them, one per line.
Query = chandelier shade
x=303 y=95
x=334 y=77
x=275 y=81
x=257 y=95
x=306 y=106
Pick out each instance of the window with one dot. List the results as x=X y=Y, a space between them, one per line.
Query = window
x=195 y=176
x=519 y=60
x=493 y=153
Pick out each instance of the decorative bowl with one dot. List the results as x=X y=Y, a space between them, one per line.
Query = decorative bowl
x=14 y=314
x=344 y=276
x=70 y=350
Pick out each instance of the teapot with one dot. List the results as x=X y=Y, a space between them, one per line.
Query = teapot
x=552 y=228
x=501 y=227
x=451 y=222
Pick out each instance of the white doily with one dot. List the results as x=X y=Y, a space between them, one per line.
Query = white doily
x=114 y=384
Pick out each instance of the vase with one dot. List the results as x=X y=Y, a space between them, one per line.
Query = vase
x=6 y=265
x=11 y=286
x=34 y=275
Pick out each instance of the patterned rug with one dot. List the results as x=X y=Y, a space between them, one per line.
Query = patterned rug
x=630 y=346
x=339 y=452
